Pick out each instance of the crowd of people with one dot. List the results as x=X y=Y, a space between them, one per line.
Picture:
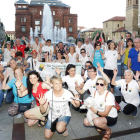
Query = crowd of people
x=21 y=84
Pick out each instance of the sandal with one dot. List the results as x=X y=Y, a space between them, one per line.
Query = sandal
x=65 y=133
x=42 y=123
x=107 y=136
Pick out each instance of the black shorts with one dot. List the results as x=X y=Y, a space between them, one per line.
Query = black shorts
x=111 y=121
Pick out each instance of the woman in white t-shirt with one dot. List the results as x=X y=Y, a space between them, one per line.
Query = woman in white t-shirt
x=130 y=91
x=107 y=113
x=59 y=58
x=58 y=100
x=71 y=78
x=111 y=56
x=72 y=57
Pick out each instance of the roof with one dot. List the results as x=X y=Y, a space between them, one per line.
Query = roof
x=122 y=29
x=116 y=19
x=9 y=32
x=50 y=2
x=81 y=27
x=21 y=2
x=92 y=30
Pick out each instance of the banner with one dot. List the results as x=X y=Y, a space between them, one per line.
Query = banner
x=49 y=68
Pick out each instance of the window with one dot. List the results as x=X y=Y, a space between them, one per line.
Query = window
x=38 y=3
x=136 y=1
x=22 y=19
x=49 y=3
x=19 y=6
x=24 y=6
x=69 y=20
x=38 y=28
x=54 y=3
x=106 y=25
x=57 y=23
x=124 y=25
x=40 y=12
x=118 y=25
x=53 y=12
x=23 y=28
x=37 y=22
x=70 y=29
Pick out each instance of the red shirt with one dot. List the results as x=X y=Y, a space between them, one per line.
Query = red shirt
x=39 y=91
x=21 y=48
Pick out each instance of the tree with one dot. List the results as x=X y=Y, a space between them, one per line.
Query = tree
x=94 y=34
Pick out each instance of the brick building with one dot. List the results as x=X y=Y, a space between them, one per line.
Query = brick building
x=30 y=15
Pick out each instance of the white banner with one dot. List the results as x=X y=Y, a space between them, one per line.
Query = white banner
x=49 y=68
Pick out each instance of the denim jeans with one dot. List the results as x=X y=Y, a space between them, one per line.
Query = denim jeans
x=9 y=96
x=1 y=96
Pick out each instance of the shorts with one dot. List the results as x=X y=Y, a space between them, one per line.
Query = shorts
x=111 y=121
x=36 y=112
x=125 y=67
x=65 y=119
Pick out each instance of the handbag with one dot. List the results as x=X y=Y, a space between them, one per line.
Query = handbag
x=22 y=107
x=122 y=105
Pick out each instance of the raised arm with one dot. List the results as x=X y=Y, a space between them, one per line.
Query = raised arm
x=2 y=49
x=103 y=74
x=137 y=78
x=113 y=82
x=23 y=38
x=129 y=63
x=4 y=85
x=95 y=38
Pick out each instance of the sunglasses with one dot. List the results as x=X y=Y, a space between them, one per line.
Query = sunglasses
x=82 y=52
x=97 y=84
x=98 y=45
x=126 y=87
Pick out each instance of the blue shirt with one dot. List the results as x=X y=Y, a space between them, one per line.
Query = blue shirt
x=98 y=58
x=133 y=54
x=25 y=99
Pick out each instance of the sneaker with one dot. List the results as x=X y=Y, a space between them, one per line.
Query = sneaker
x=135 y=113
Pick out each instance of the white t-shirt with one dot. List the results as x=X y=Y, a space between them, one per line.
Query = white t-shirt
x=78 y=49
x=111 y=60
x=7 y=55
x=86 y=74
x=83 y=60
x=110 y=100
x=46 y=48
x=36 y=47
x=30 y=61
x=89 y=49
x=91 y=85
x=72 y=59
x=60 y=104
x=71 y=82
x=132 y=94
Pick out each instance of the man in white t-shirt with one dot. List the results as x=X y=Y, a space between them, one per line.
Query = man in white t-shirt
x=79 y=46
x=130 y=91
x=89 y=48
x=91 y=83
x=48 y=47
x=33 y=60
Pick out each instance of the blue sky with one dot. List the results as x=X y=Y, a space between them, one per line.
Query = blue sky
x=91 y=13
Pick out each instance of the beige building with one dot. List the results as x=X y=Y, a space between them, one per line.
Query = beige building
x=114 y=29
x=11 y=34
x=132 y=17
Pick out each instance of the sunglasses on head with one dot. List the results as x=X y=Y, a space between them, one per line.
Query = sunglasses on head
x=97 y=84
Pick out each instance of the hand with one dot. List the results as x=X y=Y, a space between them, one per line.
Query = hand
x=23 y=38
x=18 y=83
x=7 y=74
x=41 y=45
x=97 y=34
x=12 y=53
x=121 y=44
x=42 y=36
x=58 y=71
x=64 y=55
x=76 y=86
x=57 y=49
x=101 y=52
x=41 y=99
x=137 y=76
x=23 y=68
x=1 y=68
x=77 y=56
x=26 y=56
x=47 y=79
x=117 y=49
x=115 y=72
x=77 y=97
x=99 y=66
x=65 y=48
x=4 y=43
